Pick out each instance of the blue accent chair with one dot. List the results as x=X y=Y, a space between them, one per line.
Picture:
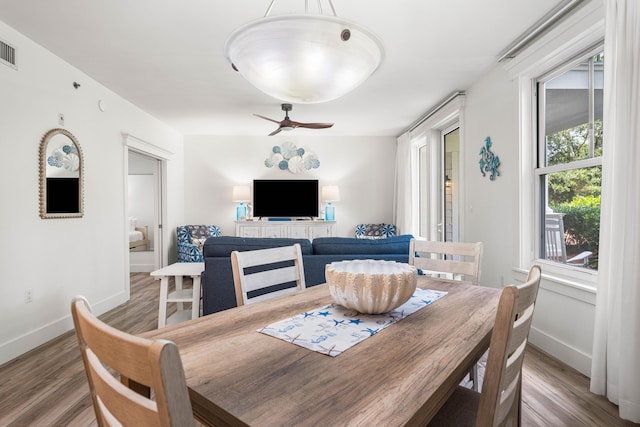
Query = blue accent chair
x=191 y=238
x=375 y=231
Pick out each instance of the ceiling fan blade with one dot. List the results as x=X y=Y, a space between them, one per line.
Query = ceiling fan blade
x=313 y=125
x=275 y=132
x=267 y=118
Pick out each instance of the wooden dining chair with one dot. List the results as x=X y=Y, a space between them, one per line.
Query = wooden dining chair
x=146 y=367
x=449 y=260
x=500 y=400
x=266 y=273
x=453 y=260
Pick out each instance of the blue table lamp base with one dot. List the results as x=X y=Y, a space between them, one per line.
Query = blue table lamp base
x=241 y=212
x=329 y=212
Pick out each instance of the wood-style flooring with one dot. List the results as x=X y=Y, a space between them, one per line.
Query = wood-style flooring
x=47 y=386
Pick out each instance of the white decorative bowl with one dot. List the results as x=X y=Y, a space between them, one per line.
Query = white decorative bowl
x=371 y=286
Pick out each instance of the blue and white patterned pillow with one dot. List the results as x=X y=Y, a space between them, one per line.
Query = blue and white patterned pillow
x=375 y=231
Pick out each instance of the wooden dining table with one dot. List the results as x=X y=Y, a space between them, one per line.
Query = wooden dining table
x=400 y=376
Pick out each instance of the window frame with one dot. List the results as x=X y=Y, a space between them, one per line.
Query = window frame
x=571 y=275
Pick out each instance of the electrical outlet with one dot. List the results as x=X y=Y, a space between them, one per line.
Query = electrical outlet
x=28 y=297
x=61 y=119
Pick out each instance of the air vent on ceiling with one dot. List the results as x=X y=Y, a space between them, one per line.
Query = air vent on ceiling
x=8 y=54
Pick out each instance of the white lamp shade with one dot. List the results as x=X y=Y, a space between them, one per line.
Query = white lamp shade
x=330 y=193
x=241 y=193
x=303 y=58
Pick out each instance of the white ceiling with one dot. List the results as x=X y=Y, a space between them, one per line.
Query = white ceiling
x=166 y=56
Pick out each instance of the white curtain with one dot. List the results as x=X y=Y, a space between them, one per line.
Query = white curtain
x=615 y=369
x=402 y=193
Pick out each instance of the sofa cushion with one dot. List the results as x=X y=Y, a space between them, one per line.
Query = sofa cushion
x=223 y=246
x=352 y=245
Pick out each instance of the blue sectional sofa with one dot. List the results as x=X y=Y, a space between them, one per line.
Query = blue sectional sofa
x=217 y=279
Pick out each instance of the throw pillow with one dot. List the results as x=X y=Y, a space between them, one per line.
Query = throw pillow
x=199 y=243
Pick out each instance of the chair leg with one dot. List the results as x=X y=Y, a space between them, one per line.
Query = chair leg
x=473 y=375
x=519 y=415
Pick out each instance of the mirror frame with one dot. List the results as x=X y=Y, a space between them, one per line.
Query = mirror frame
x=43 y=176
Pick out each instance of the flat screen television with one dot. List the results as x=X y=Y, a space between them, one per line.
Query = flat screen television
x=285 y=198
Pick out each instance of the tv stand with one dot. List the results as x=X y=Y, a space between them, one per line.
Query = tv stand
x=298 y=229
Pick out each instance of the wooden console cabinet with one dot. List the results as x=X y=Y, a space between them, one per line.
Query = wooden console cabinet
x=291 y=229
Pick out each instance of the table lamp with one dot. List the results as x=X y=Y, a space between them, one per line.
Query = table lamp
x=330 y=193
x=241 y=194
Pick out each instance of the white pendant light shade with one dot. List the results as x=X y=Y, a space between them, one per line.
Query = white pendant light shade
x=304 y=58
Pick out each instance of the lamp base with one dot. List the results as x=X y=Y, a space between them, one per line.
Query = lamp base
x=329 y=212
x=241 y=212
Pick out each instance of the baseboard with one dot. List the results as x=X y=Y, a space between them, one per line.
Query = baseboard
x=561 y=351
x=141 y=268
x=11 y=349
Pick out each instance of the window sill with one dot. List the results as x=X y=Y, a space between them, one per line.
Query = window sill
x=573 y=282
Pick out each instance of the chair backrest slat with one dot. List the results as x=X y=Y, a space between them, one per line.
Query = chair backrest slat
x=261 y=279
x=459 y=260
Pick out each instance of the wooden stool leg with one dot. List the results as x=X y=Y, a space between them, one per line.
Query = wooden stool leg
x=178 y=280
x=162 y=309
x=195 y=304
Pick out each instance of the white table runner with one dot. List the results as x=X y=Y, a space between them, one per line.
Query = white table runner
x=332 y=329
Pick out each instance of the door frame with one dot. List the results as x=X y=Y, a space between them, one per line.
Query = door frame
x=429 y=134
x=134 y=144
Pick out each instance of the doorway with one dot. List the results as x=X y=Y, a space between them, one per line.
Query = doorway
x=437 y=176
x=144 y=211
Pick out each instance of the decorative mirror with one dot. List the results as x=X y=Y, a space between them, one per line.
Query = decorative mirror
x=61 y=170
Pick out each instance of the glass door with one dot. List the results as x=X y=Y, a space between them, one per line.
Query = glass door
x=450 y=185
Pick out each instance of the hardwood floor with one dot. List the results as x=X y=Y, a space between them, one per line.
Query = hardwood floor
x=47 y=386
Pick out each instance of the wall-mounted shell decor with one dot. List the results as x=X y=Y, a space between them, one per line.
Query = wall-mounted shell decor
x=290 y=158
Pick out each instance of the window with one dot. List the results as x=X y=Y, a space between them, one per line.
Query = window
x=568 y=167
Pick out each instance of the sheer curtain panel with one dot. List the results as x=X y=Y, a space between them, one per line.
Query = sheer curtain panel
x=615 y=371
x=402 y=206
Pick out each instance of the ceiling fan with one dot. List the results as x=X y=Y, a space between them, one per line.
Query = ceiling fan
x=288 y=124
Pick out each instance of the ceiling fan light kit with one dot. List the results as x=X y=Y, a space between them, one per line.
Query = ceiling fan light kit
x=304 y=58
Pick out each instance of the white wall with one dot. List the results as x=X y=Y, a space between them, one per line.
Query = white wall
x=363 y=168
x=492 y=206
x=59 y=258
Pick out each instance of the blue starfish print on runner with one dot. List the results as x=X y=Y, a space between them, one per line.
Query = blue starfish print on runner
x=323 y=313
x=371 y=331
x=355 y=321
x=338 y=322
x=307 y=314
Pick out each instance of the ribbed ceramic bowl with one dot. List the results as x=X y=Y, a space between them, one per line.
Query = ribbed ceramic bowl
x=371 y=286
